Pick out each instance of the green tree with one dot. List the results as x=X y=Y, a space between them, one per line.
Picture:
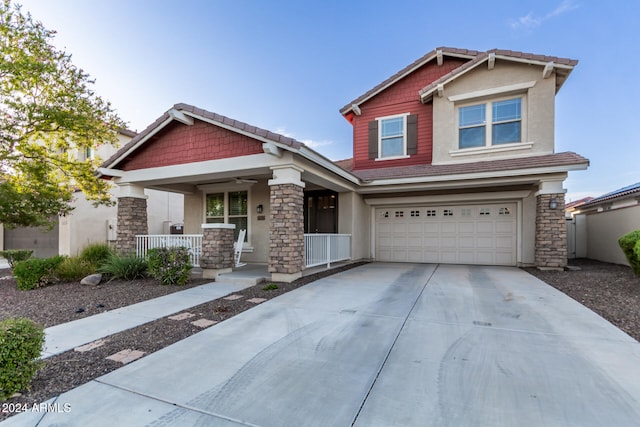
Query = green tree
x=48 y=110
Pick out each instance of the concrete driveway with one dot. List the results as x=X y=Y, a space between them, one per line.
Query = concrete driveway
x=382 y=345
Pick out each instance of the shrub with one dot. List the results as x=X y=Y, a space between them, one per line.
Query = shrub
x=630 y=245
x=96 y=254
x=21 y=342
x=36 y=272
x=126 y=267
x=270 y=287
x=170 y=265
x=14 y=256
x=73 y=269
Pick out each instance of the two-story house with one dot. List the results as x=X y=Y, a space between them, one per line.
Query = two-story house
x=453 y=162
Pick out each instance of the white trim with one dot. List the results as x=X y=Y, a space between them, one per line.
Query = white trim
x=180 y=116
x=404 y=136
x=224 y=187
x=517 y=87
x=142 y=141
x=515 y=175
x=382 y=159
x=220 y=226
x=533 y=61
x=454 y=199
x=322 y=161
x=546 y=72
x=489 y=122
x=394 y=81
x=490 y=149
x=287 y=174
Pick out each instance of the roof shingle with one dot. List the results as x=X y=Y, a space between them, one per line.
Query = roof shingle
x=548 y=160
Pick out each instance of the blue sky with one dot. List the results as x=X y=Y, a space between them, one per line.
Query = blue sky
x=289 y=66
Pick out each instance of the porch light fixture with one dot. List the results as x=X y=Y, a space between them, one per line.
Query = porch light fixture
x=553 y=204
x=259 y=209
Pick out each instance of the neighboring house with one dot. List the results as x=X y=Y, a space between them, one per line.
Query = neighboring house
x=572 y=207
x=87 y=224
x=600 y=222
x=453 y=162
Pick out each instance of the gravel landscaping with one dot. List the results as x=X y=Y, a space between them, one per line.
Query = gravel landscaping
x=62 y=302
x=610 y=290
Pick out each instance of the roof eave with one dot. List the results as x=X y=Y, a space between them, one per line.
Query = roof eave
x=404 y=73
x=478 y=175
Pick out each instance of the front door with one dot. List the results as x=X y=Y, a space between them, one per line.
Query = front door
x=321 y=211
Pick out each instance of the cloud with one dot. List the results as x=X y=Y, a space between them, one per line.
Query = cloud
x=311 y=143
x=530 y=21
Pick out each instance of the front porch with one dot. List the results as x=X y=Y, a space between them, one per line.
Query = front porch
x=320 y=250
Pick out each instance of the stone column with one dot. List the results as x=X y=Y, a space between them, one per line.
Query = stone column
x=132 y=217
x=217 y=250
x=286 y=226
x=551 y=228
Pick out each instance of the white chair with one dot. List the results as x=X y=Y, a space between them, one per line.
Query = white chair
x=237 y=248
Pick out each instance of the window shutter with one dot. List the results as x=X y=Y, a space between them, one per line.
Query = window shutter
x=412 y=134
x=373 y=139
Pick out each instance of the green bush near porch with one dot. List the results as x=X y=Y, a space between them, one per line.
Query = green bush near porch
x=630 y=245
x=36 y=272
x=171 y=266
x=125 y=267
x=97 y=254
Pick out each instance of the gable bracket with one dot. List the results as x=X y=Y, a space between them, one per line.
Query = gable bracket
x=492 y=60
x=180 y=116
x=439 y=56
x=547 y=70
x=440 y=89
x=271 y=148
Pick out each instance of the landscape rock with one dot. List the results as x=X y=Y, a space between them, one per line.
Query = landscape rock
x=92 y=279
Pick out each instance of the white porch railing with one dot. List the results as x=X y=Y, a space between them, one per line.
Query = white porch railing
x=193 y=242
x=326 y=248
x=319 y=248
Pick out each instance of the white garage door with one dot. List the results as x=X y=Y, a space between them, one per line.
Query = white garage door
x=469 y=234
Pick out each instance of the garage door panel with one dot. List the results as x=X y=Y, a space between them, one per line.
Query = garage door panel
x=505 y=227
x=472 y=234
x=505 y=242
x=484 y=242
x=466 y=227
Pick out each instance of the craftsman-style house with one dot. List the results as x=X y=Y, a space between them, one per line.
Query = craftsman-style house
x=453 y=162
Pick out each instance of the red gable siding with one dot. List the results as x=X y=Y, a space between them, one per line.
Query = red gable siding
x=179 y=144
x=402 y=97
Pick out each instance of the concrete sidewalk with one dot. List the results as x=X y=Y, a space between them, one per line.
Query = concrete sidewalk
x=67 y=336
x=380 y=345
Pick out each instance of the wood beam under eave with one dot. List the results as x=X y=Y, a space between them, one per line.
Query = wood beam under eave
x=439 y=56
x=547 y=70
x=440 y=89
x=271 y=148
x=492 y=60
x=181 y=117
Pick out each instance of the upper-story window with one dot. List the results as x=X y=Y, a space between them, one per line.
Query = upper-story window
x=393 y=137
x=490 y=123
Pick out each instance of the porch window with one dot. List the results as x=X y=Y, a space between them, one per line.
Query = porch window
x=230 y=208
